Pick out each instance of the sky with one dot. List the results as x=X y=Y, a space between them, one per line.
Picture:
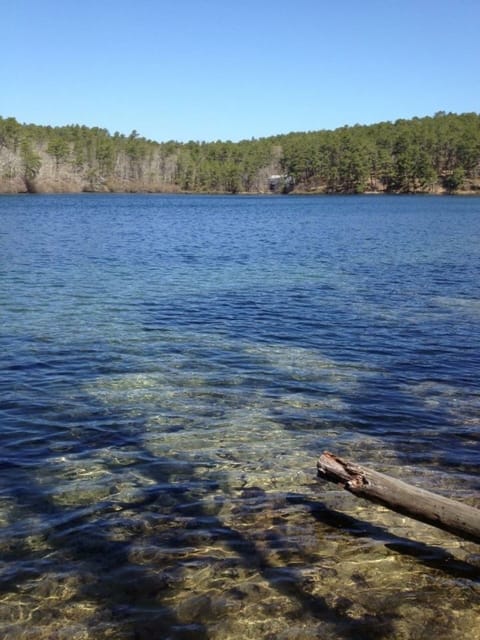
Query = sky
x=208 y=70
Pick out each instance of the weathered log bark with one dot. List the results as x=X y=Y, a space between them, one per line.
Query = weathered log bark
x=444 y=513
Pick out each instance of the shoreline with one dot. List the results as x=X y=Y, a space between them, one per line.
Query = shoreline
x=299 y=192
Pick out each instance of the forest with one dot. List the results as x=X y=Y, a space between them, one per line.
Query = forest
x=437 y=154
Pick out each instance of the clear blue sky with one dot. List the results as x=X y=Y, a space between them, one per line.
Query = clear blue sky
x=221 y=69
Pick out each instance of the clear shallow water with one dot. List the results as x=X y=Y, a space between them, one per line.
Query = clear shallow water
x=171 y=369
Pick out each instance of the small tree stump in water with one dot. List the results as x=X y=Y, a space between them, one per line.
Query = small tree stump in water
x=444 y=513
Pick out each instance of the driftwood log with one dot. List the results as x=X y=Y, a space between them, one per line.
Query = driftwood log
x=444 y=513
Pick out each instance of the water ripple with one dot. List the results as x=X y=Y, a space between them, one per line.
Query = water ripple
x=171 y=368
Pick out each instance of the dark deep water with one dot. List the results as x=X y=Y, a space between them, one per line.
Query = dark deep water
x=171 y=367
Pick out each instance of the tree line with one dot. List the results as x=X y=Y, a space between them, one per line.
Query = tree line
x=429 y=154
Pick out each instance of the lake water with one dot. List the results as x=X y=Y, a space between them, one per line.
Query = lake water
x=171 y=369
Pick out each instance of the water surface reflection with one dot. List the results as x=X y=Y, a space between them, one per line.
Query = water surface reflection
x=167 y=391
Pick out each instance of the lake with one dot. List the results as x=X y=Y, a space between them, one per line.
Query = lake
x=171 y=369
